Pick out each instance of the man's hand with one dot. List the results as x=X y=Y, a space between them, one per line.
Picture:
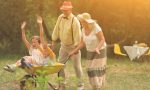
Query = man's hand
x=73 y=52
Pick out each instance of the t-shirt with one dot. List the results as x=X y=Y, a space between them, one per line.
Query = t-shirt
x=92 y=40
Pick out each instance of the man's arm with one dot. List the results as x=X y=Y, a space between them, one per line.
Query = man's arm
x=55 y=34
x=76 y=31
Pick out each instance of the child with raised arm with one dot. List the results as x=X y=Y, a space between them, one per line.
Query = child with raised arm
x=39 y=52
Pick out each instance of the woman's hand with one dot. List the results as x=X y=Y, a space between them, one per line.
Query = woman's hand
x=73 y=52
x=23 y=25
x=39 y=19
x=97 y=51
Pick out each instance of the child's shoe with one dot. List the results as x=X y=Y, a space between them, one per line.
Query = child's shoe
x=10 y=68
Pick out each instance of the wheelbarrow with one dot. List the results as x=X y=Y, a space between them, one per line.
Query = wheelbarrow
x=30 y=80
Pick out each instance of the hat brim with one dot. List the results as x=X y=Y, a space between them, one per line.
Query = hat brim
x=87 y=20
x=90 y=21
x=66 y=7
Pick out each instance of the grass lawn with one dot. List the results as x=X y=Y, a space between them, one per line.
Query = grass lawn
x=122 y=74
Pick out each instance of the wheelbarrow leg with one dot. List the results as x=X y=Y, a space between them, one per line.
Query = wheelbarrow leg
x=54 y=88
x=22 y=85
x=24 y=79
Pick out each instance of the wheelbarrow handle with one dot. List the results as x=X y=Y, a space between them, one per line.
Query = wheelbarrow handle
x=64 y=63
x=67 y=59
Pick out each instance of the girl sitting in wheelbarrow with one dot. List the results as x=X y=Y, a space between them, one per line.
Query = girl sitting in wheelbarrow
x=39 y=52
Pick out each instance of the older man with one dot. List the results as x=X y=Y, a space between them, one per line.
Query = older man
x=67 y=31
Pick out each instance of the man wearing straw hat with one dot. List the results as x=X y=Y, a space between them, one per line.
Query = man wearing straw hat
x=67 y=31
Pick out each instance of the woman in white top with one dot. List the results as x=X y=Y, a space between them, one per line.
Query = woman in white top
x=39 y=52
x=93 y=39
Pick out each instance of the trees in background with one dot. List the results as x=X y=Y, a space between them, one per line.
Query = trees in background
x=119 y=19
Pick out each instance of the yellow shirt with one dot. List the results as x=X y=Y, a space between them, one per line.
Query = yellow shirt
x=63 y=30
x=48 y=51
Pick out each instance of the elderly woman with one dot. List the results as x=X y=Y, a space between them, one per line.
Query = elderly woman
x=93 y=39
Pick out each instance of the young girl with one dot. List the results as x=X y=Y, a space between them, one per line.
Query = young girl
x=39 y=51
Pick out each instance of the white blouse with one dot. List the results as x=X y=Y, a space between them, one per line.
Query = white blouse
x=38 y=56
x=91 y=41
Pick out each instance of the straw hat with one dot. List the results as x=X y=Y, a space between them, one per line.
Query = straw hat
x=67 y=5
x=86 y=17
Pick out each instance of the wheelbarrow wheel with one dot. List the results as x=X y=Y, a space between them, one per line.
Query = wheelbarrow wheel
x=27 y=82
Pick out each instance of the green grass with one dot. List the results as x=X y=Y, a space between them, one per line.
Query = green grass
x=122 y=74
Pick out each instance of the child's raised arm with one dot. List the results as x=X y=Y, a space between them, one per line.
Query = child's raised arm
x=24 y=35
x=51 y=53
x=40 y=21
x=44 y=43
